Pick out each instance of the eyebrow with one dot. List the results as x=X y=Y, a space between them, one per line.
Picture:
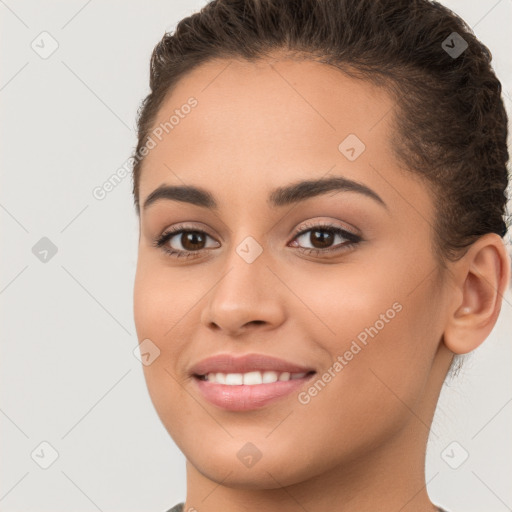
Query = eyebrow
x=281 y=196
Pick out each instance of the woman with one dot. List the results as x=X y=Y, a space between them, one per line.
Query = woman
x=321 y=192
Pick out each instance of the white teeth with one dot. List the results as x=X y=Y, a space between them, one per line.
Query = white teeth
x=269 y=377
x=252 y=378
x=234 y=379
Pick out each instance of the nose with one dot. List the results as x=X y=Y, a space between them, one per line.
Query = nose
x=246 y=296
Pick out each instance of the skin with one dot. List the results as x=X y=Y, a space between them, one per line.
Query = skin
x=360 y=443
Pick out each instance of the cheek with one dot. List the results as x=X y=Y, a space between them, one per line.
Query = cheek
x=385 y=336
x=148 y=306
x=156 y=311
x=378 y=374
x=161 y=298
x=163 y=305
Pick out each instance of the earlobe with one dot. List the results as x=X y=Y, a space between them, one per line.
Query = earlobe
x=481 y=278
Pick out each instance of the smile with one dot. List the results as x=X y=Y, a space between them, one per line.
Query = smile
x=251 y=390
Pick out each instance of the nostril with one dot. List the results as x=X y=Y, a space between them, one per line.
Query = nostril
x=257 y=322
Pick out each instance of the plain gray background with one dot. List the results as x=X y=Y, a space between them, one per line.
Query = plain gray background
x=68 y=374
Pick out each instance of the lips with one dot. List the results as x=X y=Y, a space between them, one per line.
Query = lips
x=228 y=363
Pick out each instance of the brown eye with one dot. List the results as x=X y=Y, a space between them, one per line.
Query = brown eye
x=192 y=240
x=322 y=239
x=319 y=237
x=180 y=242
x=184 y=242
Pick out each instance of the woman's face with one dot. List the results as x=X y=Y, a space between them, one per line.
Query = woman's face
x=365 y=312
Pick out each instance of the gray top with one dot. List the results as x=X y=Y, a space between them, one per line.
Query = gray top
x=179 y=508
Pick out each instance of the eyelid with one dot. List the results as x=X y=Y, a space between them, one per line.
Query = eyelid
x=186 y=226
x=309 y=224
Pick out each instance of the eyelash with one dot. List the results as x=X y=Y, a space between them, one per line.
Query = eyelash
x=327 y=227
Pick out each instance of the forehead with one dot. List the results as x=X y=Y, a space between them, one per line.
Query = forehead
x=259 y=125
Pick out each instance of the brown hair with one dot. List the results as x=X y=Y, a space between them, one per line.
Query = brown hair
x=451 y=123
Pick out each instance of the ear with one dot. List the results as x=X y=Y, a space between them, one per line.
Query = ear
x=481 y=277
